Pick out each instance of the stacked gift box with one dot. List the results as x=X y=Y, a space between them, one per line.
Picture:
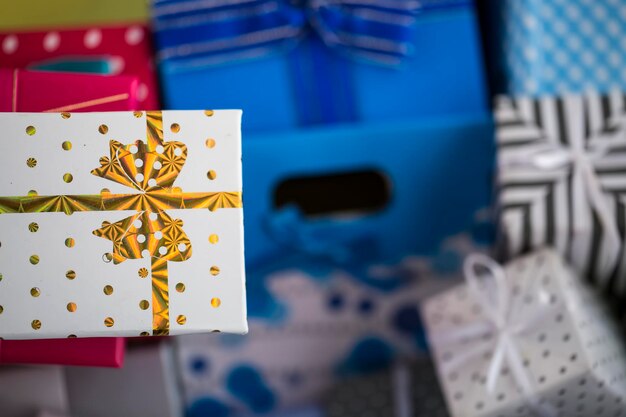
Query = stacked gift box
x=429 y=229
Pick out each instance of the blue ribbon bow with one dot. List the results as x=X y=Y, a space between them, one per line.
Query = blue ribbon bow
x=322 y=240
x=322 y=246
x=193 y=33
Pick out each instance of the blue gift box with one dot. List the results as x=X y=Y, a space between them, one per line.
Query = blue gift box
x=326 y=211
x=431 y=64
x=430 y=177
x=354 y=197
x=556 y=47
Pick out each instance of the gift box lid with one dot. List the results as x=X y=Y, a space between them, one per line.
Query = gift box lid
x=121 y=224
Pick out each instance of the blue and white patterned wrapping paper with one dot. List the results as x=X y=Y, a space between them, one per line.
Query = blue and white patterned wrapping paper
x=333 y=326
x=558 y=46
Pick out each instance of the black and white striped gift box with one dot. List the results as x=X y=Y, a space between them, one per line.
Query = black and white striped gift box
x=562 y=180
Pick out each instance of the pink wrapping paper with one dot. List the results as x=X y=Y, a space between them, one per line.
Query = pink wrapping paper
x=127 y=47
x=106 y=351
x=34 y=91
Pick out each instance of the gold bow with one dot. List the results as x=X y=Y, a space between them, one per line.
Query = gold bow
x=151 y=168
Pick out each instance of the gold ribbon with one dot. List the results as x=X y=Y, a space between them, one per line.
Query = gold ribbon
x=151 y=229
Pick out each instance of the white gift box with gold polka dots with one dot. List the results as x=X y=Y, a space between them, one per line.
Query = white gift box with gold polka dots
x=553 y=352
x=121 y=224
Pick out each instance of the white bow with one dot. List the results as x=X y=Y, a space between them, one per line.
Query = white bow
x=586 y=189
x=494 y=296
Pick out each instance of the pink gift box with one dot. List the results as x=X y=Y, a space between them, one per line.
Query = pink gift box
x=35 y=91
x=105 y=351
x=127 y=48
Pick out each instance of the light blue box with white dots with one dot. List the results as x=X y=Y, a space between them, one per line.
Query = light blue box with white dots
x=557 y=46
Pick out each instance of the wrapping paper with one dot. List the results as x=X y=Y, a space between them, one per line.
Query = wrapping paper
x=306 y=81
x=126 y=47
x=126 y=198
x=322 y=329
x=561 y=180
x=529 y=339
x=108 y=352
x=35 y=91
x=556 y=47
x=408 y=389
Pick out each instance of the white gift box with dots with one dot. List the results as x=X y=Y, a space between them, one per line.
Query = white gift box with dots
x=63 y=270
x=571 y=353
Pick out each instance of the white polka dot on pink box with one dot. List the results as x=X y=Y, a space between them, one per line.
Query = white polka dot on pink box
x=526 y=339
x=125 y=49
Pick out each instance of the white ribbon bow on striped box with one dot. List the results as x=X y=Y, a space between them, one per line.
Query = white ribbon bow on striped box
x=562 y=180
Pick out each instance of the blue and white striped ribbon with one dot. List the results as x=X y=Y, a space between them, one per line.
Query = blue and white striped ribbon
x=192 y=33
